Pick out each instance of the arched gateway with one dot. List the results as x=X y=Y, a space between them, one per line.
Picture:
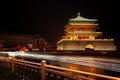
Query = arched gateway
x=89 y=47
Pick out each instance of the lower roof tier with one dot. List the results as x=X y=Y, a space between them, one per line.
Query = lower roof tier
x=83 y=32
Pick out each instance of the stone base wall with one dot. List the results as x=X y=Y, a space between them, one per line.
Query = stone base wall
x=82 y=44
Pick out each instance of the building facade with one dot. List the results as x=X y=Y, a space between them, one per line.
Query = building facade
x=81 y=34
x=14 y=39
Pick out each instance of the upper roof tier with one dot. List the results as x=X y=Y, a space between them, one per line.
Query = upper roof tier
x=79 y=18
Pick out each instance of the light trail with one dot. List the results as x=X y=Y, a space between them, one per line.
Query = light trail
x=112 y=64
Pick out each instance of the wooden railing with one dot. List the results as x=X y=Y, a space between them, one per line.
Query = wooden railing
x=25 y=70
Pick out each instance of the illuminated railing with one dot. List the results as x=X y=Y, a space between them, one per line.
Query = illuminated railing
x=25 y=70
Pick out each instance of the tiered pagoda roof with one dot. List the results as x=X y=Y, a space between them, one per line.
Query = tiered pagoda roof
x=81 y=27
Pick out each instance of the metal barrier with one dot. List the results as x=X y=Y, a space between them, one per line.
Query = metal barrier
x=25 y=70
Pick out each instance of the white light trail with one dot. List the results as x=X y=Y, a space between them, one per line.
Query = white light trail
x=112 y=64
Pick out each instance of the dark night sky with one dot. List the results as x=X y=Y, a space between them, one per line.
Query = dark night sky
x=48 y=18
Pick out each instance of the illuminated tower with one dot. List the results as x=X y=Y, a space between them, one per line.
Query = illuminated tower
x=82 y=28
x=81 y=34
